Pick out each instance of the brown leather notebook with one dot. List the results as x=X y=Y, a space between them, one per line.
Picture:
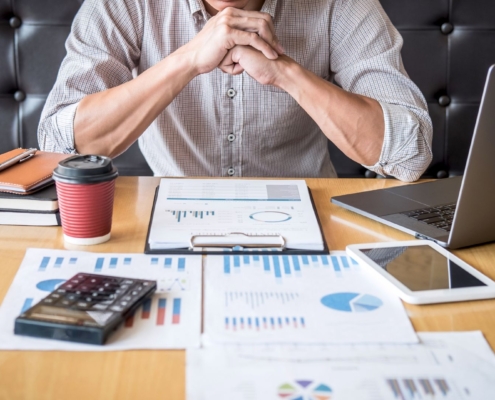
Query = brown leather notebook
x=32 y=173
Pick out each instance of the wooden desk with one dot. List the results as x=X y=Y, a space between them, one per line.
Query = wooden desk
x=161 y=374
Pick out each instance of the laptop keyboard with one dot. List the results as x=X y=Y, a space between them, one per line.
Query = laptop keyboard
x=441 y=216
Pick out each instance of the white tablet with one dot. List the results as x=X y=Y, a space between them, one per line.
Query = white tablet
x=422 y=272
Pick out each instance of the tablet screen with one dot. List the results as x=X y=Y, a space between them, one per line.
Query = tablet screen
x=422 y=268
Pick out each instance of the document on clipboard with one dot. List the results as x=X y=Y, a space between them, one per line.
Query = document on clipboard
x=211 y=215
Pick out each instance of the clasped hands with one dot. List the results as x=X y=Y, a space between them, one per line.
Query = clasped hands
x=235 y=41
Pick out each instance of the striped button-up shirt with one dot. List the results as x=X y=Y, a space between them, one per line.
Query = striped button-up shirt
x=223 y=125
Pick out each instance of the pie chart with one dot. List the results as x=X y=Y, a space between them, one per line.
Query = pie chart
x=352 y=302
x=270 y=216
x=50 y=284
x=304 y=390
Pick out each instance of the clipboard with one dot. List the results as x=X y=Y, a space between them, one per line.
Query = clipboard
x=235 y=248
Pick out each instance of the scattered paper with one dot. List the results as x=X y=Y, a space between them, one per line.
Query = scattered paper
x=170 y=320
x=210 y=208
x=444 y=366
x=299 y=299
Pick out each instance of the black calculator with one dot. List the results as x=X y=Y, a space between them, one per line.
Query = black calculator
x=86 y=309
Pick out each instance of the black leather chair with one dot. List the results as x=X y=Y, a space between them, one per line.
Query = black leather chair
x=448 y=48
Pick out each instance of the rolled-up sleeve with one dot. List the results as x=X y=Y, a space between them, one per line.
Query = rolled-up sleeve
x=366 y=59
x=103 y=48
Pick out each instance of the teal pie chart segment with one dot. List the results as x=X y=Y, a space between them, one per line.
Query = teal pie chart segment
x=351 y=302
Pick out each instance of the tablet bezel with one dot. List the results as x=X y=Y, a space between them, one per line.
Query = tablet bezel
x=425 y=296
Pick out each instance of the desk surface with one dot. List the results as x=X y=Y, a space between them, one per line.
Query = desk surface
x=161 y=374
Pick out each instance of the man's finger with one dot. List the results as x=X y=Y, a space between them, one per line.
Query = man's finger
x=252 y=39
x=253 y=21
x=259 y=26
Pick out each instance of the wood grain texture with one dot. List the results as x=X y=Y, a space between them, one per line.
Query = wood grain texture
x=161 y=374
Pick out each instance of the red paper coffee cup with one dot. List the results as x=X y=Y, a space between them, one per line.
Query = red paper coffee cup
x=85 y=190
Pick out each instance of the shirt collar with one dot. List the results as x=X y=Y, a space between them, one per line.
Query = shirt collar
x=197 y=6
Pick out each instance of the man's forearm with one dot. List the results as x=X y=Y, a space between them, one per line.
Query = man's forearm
x=109 y=122
x=354 y=123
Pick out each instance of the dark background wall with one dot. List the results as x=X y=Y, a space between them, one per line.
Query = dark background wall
x=448 y=48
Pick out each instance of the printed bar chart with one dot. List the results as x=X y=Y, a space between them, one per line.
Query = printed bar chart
x=146 y=310
x=411 y=389
x=99 y=264
x=176 y=312
x=44 y=263
x=264 y=323
x=287 y=265
x=195 y=214
x=160 y=317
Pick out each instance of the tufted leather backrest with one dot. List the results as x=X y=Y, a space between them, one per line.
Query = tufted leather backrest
x=448 y=48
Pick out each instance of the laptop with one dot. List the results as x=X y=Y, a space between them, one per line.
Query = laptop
x=455 y=212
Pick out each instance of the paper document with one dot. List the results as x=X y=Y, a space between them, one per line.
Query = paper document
x=299 y=299
x=444 y=366
x=171 y=319
x=214 y=209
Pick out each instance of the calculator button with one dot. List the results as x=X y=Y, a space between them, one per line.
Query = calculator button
x=82 y=304
x=127 y=282
x=66 y=302
x=124 y=303
x=100 y=307
x=61 y=291
x=117 y=308
x=48 y=301
x=134 y=293
x=127 y=298
x=71 y=297
x=55 y=296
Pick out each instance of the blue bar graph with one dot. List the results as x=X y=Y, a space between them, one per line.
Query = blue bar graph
x=73 y=260
x=276 y=267
x=256 y=258
x=226 y=264
x=182 y=265
x=295 y=262
x=99 y=264
x=167 y=263
x=27 y=304
x=154 y=260
x=286 y=265
x=127 y=261
x=58 y=262
x=44 y=263
x=113 y=262
x=266 y=263
x=324 y=260
x=285 y=260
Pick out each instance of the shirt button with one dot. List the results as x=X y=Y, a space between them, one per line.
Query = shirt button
x=231 y=137
x=231 y=171
x=231 y=93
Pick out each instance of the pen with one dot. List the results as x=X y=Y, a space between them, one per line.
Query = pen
x=27 y=154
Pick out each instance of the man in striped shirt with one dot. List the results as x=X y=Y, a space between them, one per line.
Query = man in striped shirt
x=239 y=88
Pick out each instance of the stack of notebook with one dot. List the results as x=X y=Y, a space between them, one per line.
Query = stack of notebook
x=39 y=208
x=27 y=193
